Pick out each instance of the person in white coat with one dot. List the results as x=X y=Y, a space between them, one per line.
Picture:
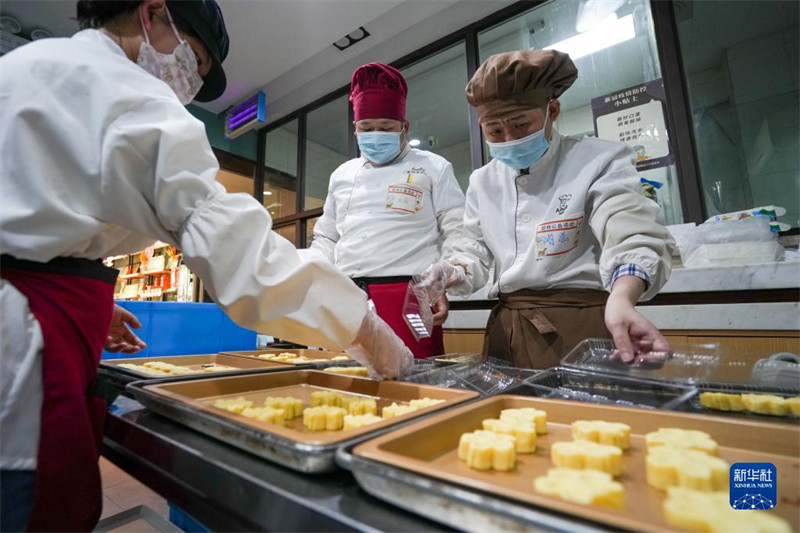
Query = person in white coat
x=389 y=211
x=100 y=157
x=574 y=243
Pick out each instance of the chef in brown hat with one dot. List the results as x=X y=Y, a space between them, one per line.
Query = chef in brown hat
x=574 y=243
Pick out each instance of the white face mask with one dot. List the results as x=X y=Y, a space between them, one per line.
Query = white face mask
x=178 y=69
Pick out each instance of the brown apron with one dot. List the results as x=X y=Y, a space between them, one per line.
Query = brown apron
x=535 y=329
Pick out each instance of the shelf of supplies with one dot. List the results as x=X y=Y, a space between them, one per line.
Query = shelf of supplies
x=144 y=274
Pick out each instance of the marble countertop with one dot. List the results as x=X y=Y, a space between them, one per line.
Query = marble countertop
x=778 y=316
x=782 y=275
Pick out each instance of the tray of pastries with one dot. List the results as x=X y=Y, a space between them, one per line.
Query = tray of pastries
x=296 y=418
x=296 y=356
x=513 y=462
x=120 y=372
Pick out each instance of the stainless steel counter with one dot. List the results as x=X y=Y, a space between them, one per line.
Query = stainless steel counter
x=230 y=490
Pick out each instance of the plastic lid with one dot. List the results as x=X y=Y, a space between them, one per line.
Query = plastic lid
x=688 y=363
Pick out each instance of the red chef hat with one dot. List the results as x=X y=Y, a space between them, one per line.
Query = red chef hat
x=378 y=91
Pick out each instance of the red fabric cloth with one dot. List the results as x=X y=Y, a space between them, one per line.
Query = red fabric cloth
x=378 y=91
x=388 y=299
x=74 y=314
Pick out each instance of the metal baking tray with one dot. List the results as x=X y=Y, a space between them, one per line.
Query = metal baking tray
x=120 y=377
x=693 y=404
x=418 y=464
x=190 y=403
x=592 y=387
x=317 y=356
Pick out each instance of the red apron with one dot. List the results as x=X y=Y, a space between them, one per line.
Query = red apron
x=73 y=300
x=388 y=298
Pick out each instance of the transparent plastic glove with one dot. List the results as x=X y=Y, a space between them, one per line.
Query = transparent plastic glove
x=378 y=348
x=439 y=277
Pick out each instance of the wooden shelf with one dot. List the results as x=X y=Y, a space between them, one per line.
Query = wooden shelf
x=145 y=274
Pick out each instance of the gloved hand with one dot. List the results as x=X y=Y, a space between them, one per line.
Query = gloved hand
x=439 y=277
x=378 y=348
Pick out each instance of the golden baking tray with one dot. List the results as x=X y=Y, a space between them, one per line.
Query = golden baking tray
x=430 y=448
x=310 y=354
x=191 y=403
x=120 y=376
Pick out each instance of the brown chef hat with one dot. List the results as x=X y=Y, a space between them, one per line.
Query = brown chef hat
x=524 y=79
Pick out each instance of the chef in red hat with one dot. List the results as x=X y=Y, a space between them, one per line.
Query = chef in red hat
x=388 y=211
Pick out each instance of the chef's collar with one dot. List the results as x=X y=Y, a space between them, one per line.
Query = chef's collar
x=555 y=141
x=100 y=37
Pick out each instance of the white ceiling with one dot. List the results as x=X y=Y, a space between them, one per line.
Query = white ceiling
x=285 y=46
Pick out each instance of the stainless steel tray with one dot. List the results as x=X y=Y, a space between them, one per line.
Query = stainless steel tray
x=417 y=468
x=466 y=510
x=308 y=457
x=692 y=404
x=120 y=377
x=594 y=387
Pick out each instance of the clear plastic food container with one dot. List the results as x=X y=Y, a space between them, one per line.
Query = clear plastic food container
x=689 y=363
x=595 y=387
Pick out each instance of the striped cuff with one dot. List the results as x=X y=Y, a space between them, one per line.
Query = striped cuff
x=631 y=269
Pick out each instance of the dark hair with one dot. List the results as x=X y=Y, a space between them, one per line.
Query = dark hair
x=96 y=13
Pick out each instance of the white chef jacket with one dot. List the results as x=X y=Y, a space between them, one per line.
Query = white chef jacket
x=100 y=158
x=390 y=220
x=569 y=223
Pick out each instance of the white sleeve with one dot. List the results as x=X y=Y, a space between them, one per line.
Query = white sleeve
x=158 y=179
x=325 y=233
x=470 y=250
x=629 y=227
x=448 y=204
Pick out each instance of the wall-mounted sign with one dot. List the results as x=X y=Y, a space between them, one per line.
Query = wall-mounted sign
x=637 y=117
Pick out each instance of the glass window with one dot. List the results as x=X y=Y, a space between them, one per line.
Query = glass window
x=438 y=110
x=310 y=223
x=327 y=136
x=235 y=182
x=741 y=65
x=288 y=232
x=613 y=46
x=280 y=170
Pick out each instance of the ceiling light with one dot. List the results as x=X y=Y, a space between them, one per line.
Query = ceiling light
x=414 y=142
x=359 y=34
x=603 y=36
x=593 y=13
x=267 y=193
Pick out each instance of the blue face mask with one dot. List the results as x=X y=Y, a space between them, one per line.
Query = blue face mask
x=379 y=146
x=521 y=153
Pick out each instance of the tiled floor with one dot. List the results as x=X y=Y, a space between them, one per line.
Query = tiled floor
x=121 y=492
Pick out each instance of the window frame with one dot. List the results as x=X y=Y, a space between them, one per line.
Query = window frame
x=678 y=111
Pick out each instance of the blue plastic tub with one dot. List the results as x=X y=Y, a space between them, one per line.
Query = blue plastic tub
x=176 y=328
x=179 y=517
